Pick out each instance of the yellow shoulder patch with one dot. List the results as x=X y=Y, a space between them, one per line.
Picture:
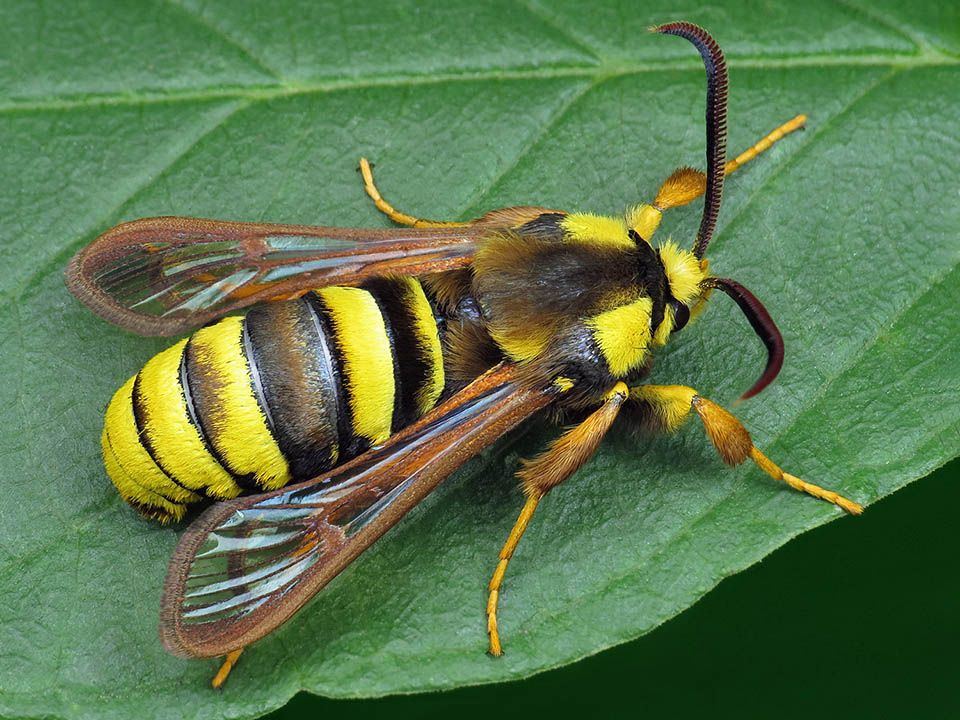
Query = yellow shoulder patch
x=597 y=230
x=523 y=346
x=623 y=335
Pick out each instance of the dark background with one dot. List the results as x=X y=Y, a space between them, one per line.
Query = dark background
x=789 y=638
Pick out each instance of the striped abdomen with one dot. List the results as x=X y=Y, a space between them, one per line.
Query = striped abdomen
x=289 y=391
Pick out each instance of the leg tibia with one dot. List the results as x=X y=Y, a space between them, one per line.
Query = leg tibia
x=228 y=662
x=497 y=580
x=561 y=460
x=665 y=407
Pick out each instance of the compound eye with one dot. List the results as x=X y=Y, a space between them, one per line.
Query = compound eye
x=681 y=315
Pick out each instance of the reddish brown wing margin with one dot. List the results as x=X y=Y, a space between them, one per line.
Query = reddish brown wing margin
x=245 y=566
x=165 y=275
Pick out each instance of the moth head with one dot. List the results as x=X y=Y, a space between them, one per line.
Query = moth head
x=678 y=276
x=688 y=285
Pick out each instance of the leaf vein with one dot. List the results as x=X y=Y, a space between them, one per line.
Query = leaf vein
x=198 y=18
x=611 y=69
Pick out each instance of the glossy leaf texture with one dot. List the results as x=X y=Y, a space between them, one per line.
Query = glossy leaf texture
x=259 y=112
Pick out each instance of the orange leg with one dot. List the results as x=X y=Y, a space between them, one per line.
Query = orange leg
x=668 y=406
x=497 y=580
x=798 y=122
x=686 y=184
x=228 y=662
x=398 y=217
x=561 y=460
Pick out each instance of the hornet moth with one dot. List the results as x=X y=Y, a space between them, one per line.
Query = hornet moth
x=386 y=360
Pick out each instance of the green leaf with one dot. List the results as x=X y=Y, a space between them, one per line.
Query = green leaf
x=256 y=111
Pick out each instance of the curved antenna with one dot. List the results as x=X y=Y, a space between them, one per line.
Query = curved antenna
x=762 y=324
x=716 y=68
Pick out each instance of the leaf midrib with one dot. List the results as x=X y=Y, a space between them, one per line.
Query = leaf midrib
x=925 y=57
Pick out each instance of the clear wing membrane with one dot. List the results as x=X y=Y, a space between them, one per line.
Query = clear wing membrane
x=162 y=276
x=245 y=566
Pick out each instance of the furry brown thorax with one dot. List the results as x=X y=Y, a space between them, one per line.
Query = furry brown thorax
x=576 y=296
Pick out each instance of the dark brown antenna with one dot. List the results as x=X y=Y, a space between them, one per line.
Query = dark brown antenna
x=762 y=324
x=716 y=68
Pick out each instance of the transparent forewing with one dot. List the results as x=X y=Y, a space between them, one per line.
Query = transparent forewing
x=261 y=552
x=249 y=564
x=160 y=276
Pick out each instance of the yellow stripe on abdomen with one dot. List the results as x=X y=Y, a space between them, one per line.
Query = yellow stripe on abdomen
x=149 y=503
x=173 y=440
x=426 y=327
x=130 y=466
x=361 y=336
x=229 y=413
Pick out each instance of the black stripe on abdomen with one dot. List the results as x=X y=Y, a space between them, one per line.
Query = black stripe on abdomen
x=350 y=445
x=298 y=377
x=412 y=364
